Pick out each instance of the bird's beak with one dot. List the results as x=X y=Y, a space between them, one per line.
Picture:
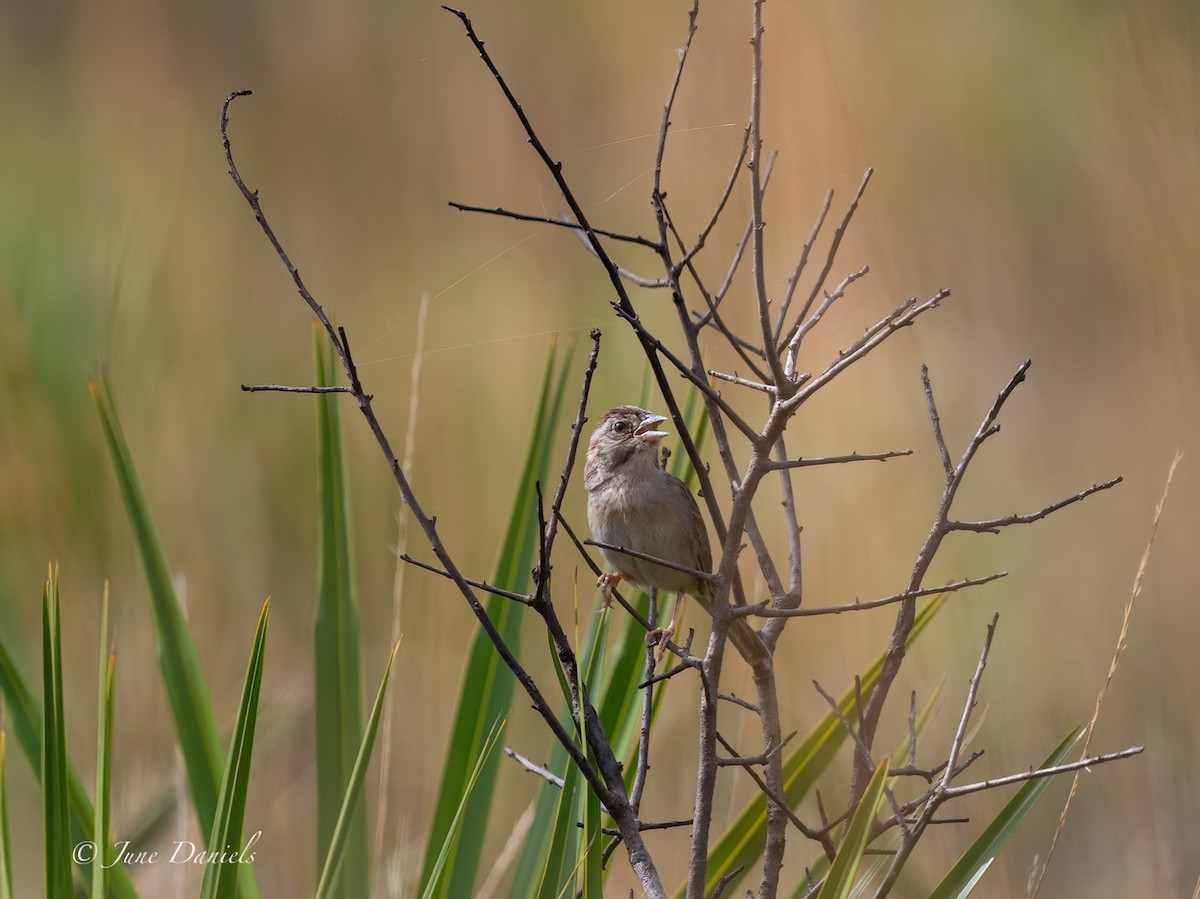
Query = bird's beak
x=646 y=429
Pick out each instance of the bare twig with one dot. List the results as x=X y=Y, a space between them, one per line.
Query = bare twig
x=781 y=316
x=838 y=234
x=557 y=222
x=551 y=528
x=533 y=768
x=993 y=525
x=782 y=464
x=478 y=585
x=762 y=610
x=705 y=576
x=284 y=388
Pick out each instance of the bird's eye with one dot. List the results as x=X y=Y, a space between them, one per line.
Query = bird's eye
x=621 y=426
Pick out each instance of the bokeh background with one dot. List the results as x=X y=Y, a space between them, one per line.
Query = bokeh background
x=1039 y=159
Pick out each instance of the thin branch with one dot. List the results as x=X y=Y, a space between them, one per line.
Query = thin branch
x=656 y=193
x=781 y=465
x=936 y=419
x=838 y=234
x=737 y=700
x=478 y=585
x=763 y=610
x=544 y=773
x=1035 y=773
x=743 y=382
x=284 y=388
x=972 y=690
x=784 y=306
x=551 y=528
x=744 y=761
x=652 y=342
x=557 y=222
x=705 y=576
x=729 y=876
x=800 y=332
x=993 y=525
x=901 y=317
x=780 y=802
x=643 y=756
x=689 y=255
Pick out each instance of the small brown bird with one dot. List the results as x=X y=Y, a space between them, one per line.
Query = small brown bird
x=635 y=504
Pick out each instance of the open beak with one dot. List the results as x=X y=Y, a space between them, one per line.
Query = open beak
x=646 y=431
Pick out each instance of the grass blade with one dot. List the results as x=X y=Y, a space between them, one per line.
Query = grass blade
x=486 y=690
x=183 y=678
x=25 y=717
x=961 y=879
x=334 y=859
x=6 y=874
x=337 y=639
x=55 y=814
x=104 y=726
x=742 y=843
x=221 y=874
x=443 y=855
x=840 y=881
x=178 y=658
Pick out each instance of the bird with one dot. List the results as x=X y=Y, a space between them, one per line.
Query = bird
x=634 y=504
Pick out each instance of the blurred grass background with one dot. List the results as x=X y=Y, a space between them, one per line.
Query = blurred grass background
x=1038 y=159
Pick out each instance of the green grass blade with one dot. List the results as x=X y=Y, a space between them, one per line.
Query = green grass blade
x=489 y=748
x=55 y=811
x=557 y=846
x=592 y=880
x=337 y=639
x=556 y=841
x=6 y=874
x=840 y=881
x=104 y=727
x=486 y=689
x=336 y=857
x=178 y=657
x=546 y=832
x=742 y=843
x=183 y=677
x=973 y=864
x=221 y=875
x=25 y=717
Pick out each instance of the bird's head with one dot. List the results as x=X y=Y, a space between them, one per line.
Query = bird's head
x=624 y=435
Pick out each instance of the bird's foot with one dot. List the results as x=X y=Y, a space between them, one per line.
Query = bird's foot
x=663 y=636
x=607 y=582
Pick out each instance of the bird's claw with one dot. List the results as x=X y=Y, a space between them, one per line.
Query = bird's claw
x=662 y=635
x=607 y=582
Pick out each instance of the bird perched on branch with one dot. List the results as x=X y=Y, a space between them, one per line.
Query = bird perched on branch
x=635 y=505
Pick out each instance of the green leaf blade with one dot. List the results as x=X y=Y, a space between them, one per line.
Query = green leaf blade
x=840 y=882
x=55 y=808
x=336 y=856
x=337 y=638
x=221 y=876
x=104 y=729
